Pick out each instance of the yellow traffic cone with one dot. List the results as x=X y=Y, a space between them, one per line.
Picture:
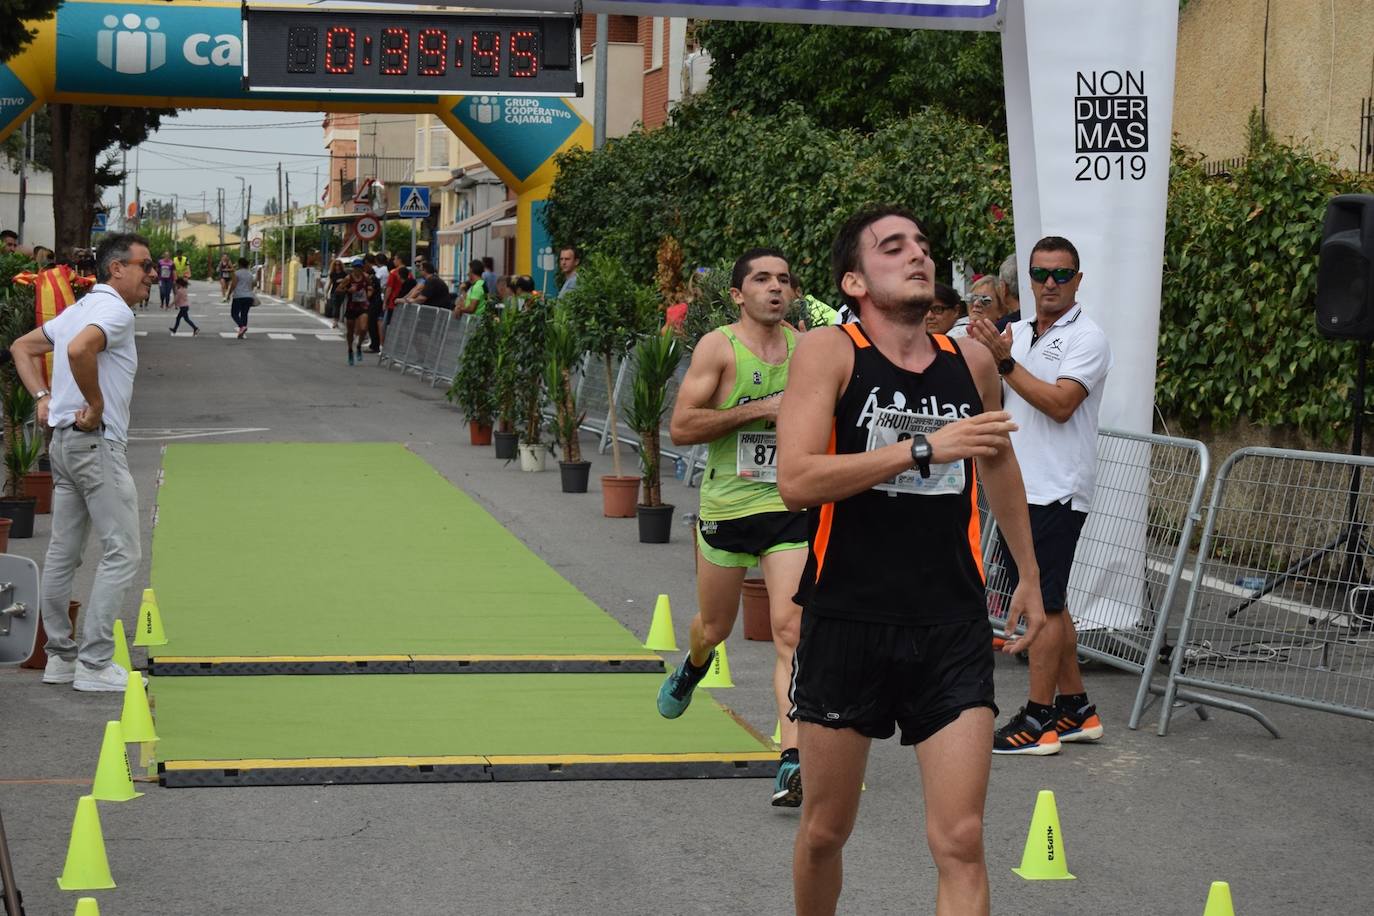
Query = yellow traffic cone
x=1043 y=858
x=136 y=719
x=719 y=675
x=114 y=781
x=121 y=653
x=87 y=906
x=777 y=733
x=87 y=869
x=149 y=622
x=661 y=638
x=1219 y=900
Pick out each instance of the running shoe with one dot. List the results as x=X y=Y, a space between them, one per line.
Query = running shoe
x=1025 y=734
x=787 y=787
x=676 y=693
x=1077 y=725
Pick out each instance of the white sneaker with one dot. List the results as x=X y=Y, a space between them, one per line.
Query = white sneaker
x=59 y=671
x=113 y=678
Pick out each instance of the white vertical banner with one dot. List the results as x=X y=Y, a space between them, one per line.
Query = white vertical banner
x=1090 y=100
x=1090 y=95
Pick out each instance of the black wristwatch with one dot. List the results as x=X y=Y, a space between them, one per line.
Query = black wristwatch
x=920 y=454
x=1005 y=366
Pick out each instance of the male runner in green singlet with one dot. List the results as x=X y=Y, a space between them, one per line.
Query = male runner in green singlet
x=730 y=399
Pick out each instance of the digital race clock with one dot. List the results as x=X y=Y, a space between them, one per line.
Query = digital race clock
x=434 y=52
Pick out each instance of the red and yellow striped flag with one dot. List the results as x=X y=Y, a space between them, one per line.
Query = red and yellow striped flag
x=52 y=292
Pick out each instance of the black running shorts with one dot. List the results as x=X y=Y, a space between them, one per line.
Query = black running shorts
x=872 y=677
x=1055 y=529
x=739 y=542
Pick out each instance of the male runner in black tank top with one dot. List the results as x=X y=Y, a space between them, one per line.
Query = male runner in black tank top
x=878 y=430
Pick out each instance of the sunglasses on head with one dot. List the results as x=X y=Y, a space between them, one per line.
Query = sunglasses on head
x=980 y=299
x=1060 y=274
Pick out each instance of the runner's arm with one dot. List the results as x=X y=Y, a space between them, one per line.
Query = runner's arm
x=1006 y=491
x=695 y=419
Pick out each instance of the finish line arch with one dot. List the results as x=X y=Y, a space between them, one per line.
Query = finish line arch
x=1089 y=88
x=188 y=54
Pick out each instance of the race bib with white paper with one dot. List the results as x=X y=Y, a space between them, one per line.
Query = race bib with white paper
x=756 y=457
x=889 y=426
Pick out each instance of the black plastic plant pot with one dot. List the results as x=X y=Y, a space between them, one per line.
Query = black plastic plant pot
x=655 y=524
x=505 y=444
x=575 y=475
x=20 y=512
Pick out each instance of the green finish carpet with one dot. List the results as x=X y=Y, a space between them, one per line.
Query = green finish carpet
x=343 y=549
x=294 y=716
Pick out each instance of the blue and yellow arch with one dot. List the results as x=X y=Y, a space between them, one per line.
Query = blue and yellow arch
x=187 y=54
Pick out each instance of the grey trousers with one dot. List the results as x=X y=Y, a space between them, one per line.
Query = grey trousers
x=92 y=490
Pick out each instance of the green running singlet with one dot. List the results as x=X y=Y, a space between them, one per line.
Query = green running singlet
x=741 y=468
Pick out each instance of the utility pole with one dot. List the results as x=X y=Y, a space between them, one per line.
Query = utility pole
x=291 y=218
x=247 y=226
x=220 y=199
x=23 y=175
x=603 y=49
x=243 y=226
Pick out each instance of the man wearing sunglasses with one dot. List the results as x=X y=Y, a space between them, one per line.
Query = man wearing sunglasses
x=1054 y=367
x=94 y=361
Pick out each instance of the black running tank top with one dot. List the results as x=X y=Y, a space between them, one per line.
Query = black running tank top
x=906 y=551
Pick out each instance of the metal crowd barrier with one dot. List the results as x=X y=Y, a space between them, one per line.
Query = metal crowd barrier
x=398 y=335
x=1281 y=605
x=1130 y=556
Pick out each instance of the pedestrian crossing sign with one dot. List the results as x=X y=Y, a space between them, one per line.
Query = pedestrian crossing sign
x=415 y=201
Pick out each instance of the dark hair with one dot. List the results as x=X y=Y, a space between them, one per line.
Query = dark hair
x=9 y=234
x=948 y=295
x=243 y=262
x=488 y=263
x=182 y=281
x=746 y=260
x=114 y=248
x=476 y=266
x=522 y=284
x=404 y=259
x=844 y=251
x=577 y=252
x=428 y=267
x=1056 y=243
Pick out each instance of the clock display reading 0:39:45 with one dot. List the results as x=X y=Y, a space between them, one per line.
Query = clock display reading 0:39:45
x=384 y=52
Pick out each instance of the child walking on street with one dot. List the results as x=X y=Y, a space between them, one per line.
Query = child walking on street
x=183 y=303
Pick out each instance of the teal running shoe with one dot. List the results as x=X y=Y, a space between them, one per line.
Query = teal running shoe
x=676 y=693
x=787 y=787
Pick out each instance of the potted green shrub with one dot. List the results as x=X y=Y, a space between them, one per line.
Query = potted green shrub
x=527 y=340
x=656 y=358
x=609 y=312
x=21 y=450
x=472 y=388
x=505 y=381
x=564 y=359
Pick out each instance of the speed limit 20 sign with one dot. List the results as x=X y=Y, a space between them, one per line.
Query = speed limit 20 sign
x=368 y=228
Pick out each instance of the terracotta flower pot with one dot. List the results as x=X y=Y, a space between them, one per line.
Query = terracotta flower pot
x=754 y=595
x=479 y=433
x=38 y=484
x=619 y=496
x=38 y=658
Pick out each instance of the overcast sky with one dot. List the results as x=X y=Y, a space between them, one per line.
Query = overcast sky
x=198 y=151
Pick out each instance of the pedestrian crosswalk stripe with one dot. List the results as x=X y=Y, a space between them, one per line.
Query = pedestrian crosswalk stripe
x=329 y=337
x=282 y=336
x=228 y=334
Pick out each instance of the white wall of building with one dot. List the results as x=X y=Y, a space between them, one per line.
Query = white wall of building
x=39 y=228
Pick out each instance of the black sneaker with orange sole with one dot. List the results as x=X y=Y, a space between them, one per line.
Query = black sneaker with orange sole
x=1025 y=734
x=1077 y=725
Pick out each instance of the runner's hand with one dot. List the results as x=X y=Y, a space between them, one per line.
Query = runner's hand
x=1026 y=605
x=981 y=436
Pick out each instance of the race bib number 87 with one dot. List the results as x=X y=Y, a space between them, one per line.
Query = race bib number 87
x=756 y=457
x=889 y=426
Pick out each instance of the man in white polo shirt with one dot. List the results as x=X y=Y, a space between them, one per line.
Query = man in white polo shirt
x=94 y=361
x=1054 y=367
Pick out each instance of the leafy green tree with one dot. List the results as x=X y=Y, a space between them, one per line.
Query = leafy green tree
x=858 y=78
x=15 y=18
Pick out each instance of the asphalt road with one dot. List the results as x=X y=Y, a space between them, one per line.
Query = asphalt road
x=1146 y=822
